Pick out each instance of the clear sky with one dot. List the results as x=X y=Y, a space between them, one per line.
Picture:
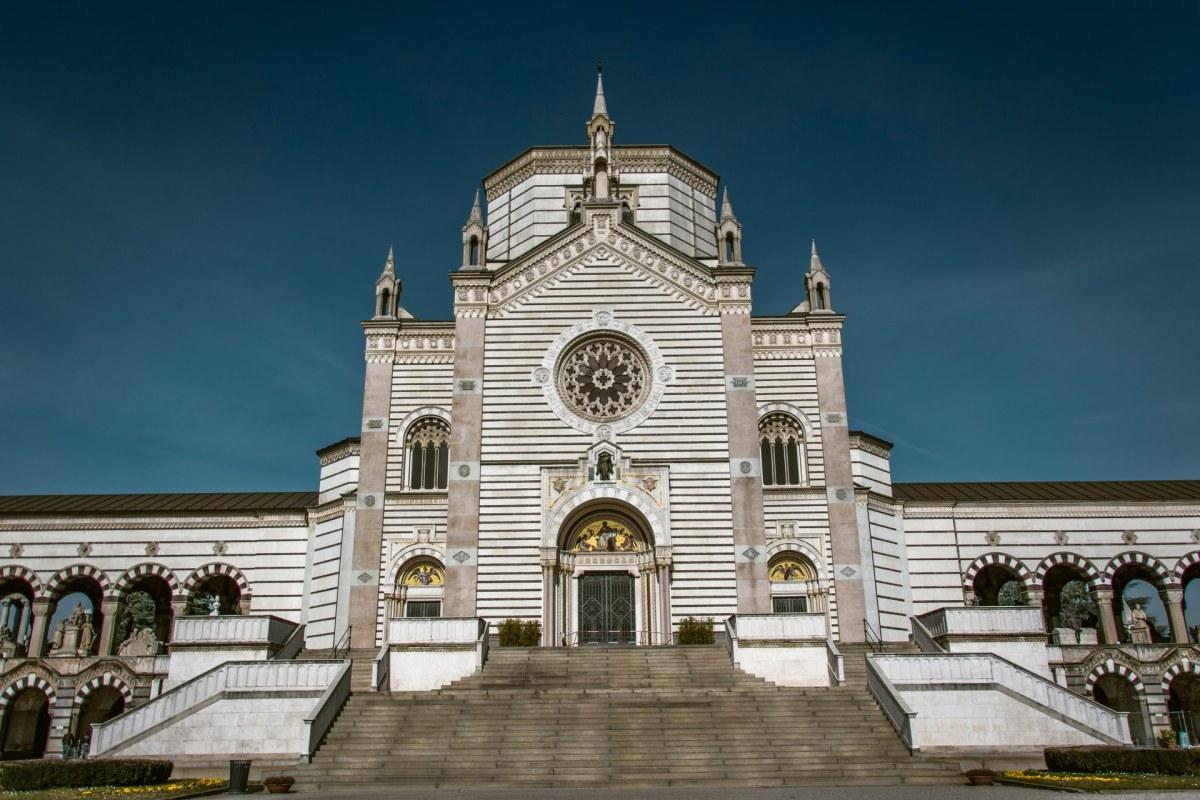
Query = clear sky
x=196 y=199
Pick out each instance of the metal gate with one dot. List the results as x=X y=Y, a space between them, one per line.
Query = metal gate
x=606 y=608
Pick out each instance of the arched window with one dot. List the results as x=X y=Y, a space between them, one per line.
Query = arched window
x=428 y=453
x=781 y=442
x=795 y=587
x=729 y=248
x=474 y=251
x=384 y=299
x=821 y=301
x=418 y=591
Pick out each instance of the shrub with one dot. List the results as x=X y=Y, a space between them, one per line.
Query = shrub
x=695 y=631
x=515 y=633
x=1123 y=759
x=47 y=774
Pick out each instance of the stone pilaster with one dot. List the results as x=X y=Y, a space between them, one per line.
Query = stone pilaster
x=42 y=611
x=367 y=535
x=108 y=625
x=1174 y=603
x=1108 y=620
x=745 y=472
x=466 y=420
x=848 y=570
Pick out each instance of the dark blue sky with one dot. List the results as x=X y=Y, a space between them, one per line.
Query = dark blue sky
x=196 y=200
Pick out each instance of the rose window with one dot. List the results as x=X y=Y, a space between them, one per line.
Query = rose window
x=604 y=378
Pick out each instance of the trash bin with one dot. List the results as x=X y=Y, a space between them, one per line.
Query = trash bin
x=239 y=775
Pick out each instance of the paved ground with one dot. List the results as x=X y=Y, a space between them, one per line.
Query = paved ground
x=692 y=793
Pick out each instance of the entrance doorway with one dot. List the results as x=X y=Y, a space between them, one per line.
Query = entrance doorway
x=606 y=608
x=26 y=726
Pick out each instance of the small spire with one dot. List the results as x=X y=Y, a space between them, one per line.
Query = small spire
x=726 y=206
x=476 y=213
x=814 y=263
x=389 y=267
x=600 y=109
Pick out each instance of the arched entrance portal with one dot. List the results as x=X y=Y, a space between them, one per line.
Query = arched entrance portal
x=604 y=583
x=26 y=725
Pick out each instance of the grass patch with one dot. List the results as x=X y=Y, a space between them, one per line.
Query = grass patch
x=1101 y=781
x=161 y=791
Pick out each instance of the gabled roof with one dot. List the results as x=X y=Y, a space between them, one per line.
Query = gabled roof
x=191 y=503
x=1051 y=492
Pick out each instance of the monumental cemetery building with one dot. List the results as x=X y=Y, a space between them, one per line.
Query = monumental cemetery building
x=605 y=439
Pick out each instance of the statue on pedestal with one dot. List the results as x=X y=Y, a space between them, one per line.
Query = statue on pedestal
x=1139 y=625
x=75 y=635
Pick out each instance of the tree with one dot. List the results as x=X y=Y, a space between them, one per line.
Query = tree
x=1012 y=593
x=1075 y=605
x=202 y=603
x=137 y=612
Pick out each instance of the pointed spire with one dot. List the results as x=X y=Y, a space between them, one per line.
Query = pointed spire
x=476 y=214
x=726 y=206
x=600 y=108
x=389 y=266
x=814 y=262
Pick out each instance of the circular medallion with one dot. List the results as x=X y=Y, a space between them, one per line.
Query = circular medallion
x=604 y=377
x=463 y=470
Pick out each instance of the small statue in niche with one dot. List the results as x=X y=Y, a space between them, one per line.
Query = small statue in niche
x=1139 y=625
x=87 y=636
x=604 y=467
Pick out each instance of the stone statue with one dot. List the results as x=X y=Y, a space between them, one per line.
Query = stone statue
x=140 y=643
x=604 y=467
x=1139 y=625
x=87 y=637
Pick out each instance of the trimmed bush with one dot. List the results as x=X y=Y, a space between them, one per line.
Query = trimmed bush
x=52 y=774
x=1123 y=759
x=695 y=631
x=515 y=633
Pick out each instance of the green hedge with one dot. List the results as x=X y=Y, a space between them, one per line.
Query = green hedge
x=515 y=633
x=1123 y=759
x=52 y=774
x=695 y=631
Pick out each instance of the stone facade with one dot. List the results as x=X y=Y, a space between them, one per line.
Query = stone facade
x=607 y=441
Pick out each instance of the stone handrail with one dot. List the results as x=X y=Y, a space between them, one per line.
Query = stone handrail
x=778 y=627
x=893 y=705
x=294 y=644
x=837 y=665
x=923 y=638
x=320 y=719
x=381 y=668
x=927 y=670
x=273 y=676
x=232 y=629
x=984 y=621
x=433 y=630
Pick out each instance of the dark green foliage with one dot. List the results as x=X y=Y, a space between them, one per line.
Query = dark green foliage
x=202 y=603
x=137 y=612
x=515 y=633
x=47 y=774
x=1012 y=593
x=1123 y=759
x=695 y=631
x=1076 y=606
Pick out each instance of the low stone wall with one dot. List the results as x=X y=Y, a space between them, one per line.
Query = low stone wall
x=427 y=654
x=786 y=649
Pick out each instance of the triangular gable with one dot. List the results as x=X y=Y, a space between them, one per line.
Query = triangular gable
x=600 y=239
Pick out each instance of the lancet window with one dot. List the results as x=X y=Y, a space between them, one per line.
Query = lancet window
x=782 y=444
x=428 y=454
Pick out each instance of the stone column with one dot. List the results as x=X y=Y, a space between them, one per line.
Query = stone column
x=108 y=625
x=1174 y=603
x=848 y=574
x=745 y=469
x=367 y=541
x=548 y=601
x=23 y=624
x=462 y=517
x=43 y=610
x=664 y=601
x=1108 y=620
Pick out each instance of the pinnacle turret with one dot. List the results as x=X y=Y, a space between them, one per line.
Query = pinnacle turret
x=599 y=107
x=726 y=206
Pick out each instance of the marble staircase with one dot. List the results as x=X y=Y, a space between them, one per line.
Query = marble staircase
x=618 y=716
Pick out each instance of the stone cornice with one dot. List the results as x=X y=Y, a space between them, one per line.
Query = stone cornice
x=340 y=450
x=558 y=160
x=54 y=524
x=947 y=510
